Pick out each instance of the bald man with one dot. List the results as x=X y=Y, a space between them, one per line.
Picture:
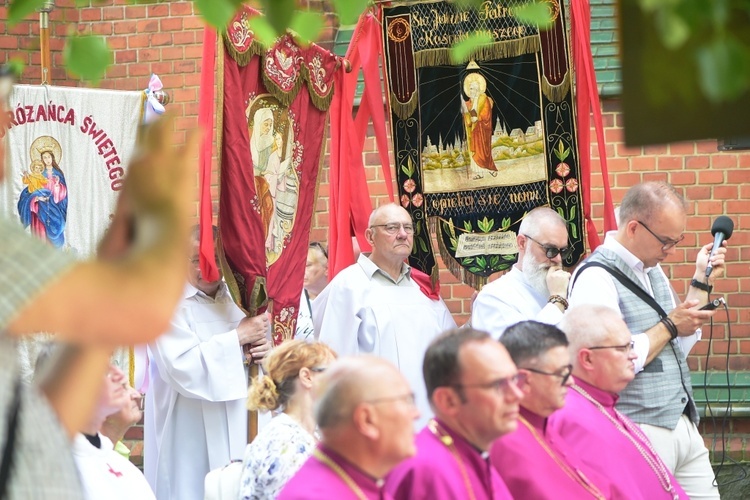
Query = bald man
x=365 y=412
x=374 y=306
x=536 y=287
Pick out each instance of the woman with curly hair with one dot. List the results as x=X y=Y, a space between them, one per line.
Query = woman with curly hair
x=287 y=441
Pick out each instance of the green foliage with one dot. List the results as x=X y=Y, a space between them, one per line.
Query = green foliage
x=217 y=13
x=461 y=51
x=19 y=9
x=263 y=30
x=279 y=14
x=724 y=69
x=535 y=13
x=16 y=65
x=87 y=56
x=306 y=24
x=349 y=10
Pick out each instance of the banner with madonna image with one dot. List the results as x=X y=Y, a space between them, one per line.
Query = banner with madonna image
x=68 y=149
x=478 y=143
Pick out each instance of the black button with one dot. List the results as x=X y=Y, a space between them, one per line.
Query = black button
x=683 y=400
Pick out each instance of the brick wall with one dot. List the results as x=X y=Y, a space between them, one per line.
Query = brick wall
x=165 y=38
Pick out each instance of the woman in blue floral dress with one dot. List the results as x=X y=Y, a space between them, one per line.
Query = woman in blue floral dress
x=288 y=440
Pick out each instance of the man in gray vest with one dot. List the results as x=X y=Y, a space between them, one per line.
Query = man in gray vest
x=624 y=274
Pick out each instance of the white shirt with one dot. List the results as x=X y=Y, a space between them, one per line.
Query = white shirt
x=107 y=474
x=195 y=418
x=362 y=310
x=508 y=300
x=596 y=286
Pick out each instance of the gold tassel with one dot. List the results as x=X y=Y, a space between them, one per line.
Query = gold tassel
x=404 y=109
x=556 y=93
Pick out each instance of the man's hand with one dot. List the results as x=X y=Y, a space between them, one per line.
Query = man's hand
x=253 y=330
x=256 y=351
x=717 y=262
x=557 y=281
x=687 y=318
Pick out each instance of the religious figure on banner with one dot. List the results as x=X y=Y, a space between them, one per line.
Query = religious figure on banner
x=43 y=203
x=276 y=179
x=477 y=114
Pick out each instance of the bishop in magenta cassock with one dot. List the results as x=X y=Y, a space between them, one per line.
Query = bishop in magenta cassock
x=470 y=381
x=365 y=411
x=533 y=460
x=602 y=366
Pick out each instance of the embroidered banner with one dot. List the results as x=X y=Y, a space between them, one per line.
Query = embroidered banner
x=481 y=142
x=274 y=117
x=68 y=151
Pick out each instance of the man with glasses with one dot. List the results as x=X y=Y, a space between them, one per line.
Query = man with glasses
x=536 y=287
x=540 y=352
x=365 y=412
x=472 y=385
x=604 y=438
x=374 y=306
x=624 y=274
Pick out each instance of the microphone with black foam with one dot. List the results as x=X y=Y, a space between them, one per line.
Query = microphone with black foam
x=722 y=230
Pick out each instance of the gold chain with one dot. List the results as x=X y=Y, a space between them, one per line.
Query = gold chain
x=326 y=460
x=653 y=460
x=448 y=442
x=575 y=475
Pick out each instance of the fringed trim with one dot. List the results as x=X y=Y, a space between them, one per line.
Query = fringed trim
x=321 y=102
x=556 y=93
x=285 y=98
x=497 y=50
x=243 y=58
x=404 y=109
x=456 y=269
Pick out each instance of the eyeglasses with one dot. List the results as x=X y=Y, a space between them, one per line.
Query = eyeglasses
x=393 y=227
x=625 y=348
x=552 y=252
x=666 y=243
x=408 y=398
x=319 y=246
x=564 y=373
x=499 y=385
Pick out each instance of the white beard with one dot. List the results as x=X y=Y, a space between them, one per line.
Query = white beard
x=536 y=274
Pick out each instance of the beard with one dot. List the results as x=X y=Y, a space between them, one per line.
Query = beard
x=536 y=274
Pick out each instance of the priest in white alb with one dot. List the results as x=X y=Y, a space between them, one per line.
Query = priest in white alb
x=195 y=416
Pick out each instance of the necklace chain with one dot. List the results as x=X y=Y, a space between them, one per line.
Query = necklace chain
x=447 y=440
x=574 y=474
x=623 y=424
x=328 y=461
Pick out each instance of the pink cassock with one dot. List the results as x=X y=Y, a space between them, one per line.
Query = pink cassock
x=317 y=481
x=435 y=474
x=531 y=471
x=596 y=440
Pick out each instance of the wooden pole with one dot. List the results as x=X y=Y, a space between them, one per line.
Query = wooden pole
x=44 y=46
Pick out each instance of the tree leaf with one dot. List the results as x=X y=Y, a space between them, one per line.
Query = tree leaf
x=16 y=65
x=263 y=31
x=87 y=56
x=217 y=13
x=534 y=13
x=723 y=69
x=349 y=10
x=19 y=9
x=279 y=14
x=467 y=226
x=672 y=28
x=307 y=25
x=461 y=51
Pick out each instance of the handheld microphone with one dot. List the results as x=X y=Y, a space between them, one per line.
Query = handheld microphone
x=722 y=230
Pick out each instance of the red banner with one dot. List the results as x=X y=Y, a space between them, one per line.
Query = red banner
x=274 y=115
